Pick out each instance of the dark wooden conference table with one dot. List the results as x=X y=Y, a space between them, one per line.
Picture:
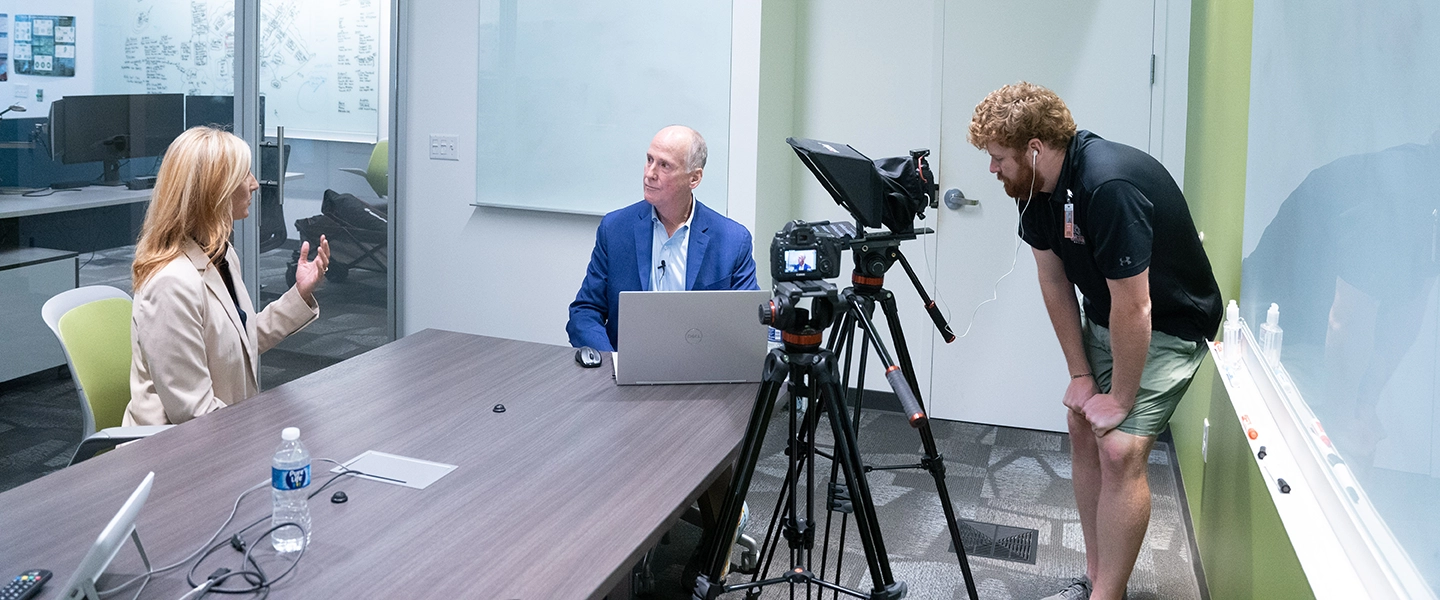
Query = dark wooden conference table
x=556 y=497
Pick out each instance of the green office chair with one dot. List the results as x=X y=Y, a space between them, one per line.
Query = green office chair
x=377 y=173
x=93 y=326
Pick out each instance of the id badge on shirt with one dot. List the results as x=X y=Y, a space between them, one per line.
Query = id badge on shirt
x=1072 y=231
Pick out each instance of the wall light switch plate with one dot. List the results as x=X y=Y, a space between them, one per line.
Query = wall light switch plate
x=22 y=91
x=444 y=147
x=1205 y=443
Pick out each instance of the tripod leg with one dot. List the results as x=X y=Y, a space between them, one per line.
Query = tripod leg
x=846 y=453
x=934 y=462
x=714 y=545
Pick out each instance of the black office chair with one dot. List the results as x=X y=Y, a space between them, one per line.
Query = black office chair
x=272 y=206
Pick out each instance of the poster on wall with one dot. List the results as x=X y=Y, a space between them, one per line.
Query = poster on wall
x=44 y=45
x=4 y=46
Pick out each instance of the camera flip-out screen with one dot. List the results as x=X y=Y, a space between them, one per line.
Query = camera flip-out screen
x=799 y=261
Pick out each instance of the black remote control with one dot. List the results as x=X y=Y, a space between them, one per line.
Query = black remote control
x=25 y=585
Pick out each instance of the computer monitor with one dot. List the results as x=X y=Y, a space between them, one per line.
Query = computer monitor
x=213 y=111
x=110 y=128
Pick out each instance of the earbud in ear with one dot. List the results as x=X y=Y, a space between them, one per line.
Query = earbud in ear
x=1034 y=156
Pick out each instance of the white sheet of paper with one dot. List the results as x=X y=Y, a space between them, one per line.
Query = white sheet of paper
x=44 y=62
x=22 y=51
x=399 y=470
x=64 y=51
x=44 y=27
x=22 y=31
x=65 y=35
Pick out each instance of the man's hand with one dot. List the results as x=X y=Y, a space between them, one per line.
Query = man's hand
x=1079 y=392
x=1105 y=412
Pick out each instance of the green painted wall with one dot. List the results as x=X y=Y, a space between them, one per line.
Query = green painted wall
x=1243 y=545
x=781 y=81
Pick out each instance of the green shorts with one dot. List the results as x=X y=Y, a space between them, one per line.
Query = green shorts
x=1170 y=364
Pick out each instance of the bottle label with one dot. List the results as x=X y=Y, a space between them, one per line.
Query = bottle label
x=292 y=479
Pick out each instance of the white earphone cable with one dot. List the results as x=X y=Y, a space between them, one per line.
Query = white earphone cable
x=1014 y=255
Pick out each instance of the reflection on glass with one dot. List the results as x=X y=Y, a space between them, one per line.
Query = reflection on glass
x=335 y=189
x=1352 y=257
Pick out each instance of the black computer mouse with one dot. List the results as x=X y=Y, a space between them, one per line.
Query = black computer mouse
x=587 y=357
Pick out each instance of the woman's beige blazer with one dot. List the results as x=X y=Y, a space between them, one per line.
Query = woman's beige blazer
x=189 y=353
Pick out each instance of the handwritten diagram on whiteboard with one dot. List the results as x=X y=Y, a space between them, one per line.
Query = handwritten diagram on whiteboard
x=318 y=69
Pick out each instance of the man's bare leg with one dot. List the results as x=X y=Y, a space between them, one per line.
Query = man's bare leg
x=1123 y=511
x=1085 y=476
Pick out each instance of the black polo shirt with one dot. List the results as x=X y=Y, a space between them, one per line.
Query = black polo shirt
x=1129 y=216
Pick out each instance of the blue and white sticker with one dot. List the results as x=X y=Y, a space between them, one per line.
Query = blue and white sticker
x=292 y=479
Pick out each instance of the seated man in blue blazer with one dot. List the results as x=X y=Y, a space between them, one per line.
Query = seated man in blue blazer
x=670 y=241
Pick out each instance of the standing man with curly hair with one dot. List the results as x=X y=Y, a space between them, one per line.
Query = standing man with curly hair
x=1109 y=220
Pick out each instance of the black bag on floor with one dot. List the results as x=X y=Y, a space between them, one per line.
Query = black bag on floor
x=357 y=233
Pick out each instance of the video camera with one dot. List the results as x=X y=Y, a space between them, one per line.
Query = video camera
x=808 y=251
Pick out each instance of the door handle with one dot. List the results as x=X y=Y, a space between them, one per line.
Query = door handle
x=956 y=200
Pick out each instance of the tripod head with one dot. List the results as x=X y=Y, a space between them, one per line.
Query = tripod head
x=800 y=328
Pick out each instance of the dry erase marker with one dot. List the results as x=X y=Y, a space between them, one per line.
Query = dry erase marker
x=1250 y=431
x=1279 y=481
x=1344 y=476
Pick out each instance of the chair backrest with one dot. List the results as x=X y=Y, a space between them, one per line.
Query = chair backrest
x=93 y=326
x=273 y=162
x=61 y=303
x=377 y=173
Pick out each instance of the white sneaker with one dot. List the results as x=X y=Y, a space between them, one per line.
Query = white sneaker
x=1079 y=589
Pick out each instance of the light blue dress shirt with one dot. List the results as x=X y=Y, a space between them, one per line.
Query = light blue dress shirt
x=670 y=251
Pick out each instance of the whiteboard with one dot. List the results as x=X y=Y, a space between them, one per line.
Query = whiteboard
x=319 y=59
x=1342 y=232
x=570 y=92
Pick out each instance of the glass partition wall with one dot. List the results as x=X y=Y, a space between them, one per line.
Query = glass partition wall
x=315 y=71
x=316 y=78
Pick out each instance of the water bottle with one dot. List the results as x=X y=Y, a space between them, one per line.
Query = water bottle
x=1232 y=348
x=289 y=482
x=1271 y=334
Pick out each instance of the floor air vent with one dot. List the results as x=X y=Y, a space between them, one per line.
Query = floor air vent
x=1003 y=542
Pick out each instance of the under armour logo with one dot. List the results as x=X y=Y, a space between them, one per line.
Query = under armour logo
x=1125 y=261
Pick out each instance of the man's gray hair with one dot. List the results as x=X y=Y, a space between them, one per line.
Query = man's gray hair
x=695 y=159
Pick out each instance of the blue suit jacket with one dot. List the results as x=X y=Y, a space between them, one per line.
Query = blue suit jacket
x=718 y=259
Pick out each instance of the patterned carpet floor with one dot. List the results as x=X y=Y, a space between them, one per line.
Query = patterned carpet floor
x=1001 y=475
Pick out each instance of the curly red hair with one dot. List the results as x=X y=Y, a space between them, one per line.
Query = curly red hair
x=1015 y=114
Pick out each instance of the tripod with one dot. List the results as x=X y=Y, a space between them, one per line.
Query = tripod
x=811 y=372
x=873 y=257
x=802 y=357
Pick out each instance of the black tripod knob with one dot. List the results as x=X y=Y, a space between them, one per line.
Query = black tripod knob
x=767 y=313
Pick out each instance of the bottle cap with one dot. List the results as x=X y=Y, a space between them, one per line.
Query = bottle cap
x=1232 y=312
x=290 y=434
x=1272 y=316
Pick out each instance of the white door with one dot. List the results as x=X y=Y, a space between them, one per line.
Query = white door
x=1096 y=54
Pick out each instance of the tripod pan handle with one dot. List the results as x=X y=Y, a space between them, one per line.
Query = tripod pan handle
x=940 y=323
x=908 y=403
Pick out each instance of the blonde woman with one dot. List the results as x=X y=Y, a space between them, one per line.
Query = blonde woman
x=195 y=338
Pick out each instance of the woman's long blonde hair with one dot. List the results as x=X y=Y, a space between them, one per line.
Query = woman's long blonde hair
x=198 y=178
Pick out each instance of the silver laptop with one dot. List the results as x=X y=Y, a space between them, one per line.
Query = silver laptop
x=690 y=337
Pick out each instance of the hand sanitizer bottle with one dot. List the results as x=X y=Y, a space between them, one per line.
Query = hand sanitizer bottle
x=1232 y=350
x=1270 y=334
